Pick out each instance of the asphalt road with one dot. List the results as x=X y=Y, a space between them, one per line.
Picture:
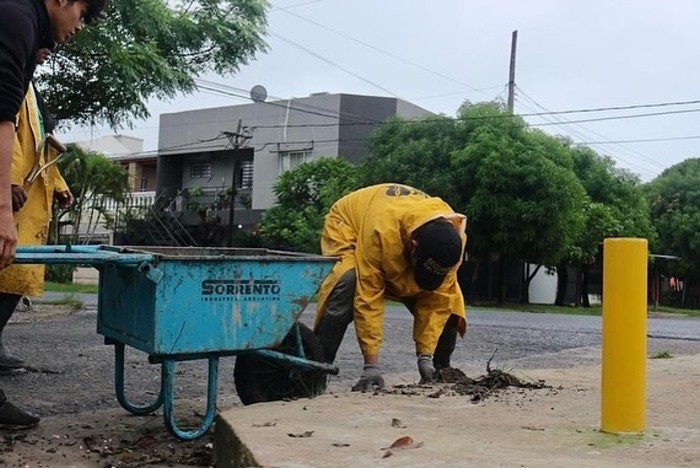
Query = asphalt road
x=73 y=370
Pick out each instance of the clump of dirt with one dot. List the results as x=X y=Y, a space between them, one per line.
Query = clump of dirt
x=482 y=387
x=459 y=383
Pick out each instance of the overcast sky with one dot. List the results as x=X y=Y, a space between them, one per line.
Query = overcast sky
x=571 y=55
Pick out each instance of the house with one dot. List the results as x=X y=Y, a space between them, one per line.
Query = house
x=206 y=154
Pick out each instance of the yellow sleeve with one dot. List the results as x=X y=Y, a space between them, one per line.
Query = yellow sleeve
x=369 y=306
x=432 y=310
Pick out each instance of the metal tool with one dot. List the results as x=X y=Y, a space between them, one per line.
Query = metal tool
x=49 y=141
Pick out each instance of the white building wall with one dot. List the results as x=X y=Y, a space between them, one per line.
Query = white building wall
x=543 y=287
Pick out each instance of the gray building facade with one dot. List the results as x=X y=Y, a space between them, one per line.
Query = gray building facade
x=204 y=150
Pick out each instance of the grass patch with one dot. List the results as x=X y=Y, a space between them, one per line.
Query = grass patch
x=537 y=308
x=675 y=310
x=68 y=299
x=662 y=354
x=569 y=310
x=70 y=288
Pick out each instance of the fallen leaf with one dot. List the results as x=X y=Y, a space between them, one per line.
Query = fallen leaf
x=395 y=422
x=340 y=444
x=402 y=443
x=301 y=434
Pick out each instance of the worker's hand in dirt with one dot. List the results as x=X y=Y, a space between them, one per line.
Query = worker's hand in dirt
x=64 y=198
x=426 y=368
x=370 y=379
x=19 y=197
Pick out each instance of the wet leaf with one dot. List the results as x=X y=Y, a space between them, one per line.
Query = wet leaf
x=402 y=443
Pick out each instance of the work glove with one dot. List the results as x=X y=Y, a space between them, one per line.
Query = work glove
x=370 y=379
x=426 y=368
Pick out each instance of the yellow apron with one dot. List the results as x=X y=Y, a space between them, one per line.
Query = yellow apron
x=33 y=218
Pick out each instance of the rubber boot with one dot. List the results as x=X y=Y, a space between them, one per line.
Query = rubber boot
x=446 y=344
x=8 y=304
x=14 y=418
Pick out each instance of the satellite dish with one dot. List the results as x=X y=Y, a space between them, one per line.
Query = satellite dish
x=258 y=93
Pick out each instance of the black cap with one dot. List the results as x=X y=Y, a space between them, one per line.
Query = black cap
x=439 y=249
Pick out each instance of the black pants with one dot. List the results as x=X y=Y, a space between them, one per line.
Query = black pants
x=8 y=304
x=340 y=312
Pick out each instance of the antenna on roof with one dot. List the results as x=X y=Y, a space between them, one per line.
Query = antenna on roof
x=258 y=93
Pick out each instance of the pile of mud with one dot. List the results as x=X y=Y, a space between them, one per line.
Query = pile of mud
x=452 y=381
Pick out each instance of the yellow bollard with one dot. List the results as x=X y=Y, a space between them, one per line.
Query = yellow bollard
x=623 y=393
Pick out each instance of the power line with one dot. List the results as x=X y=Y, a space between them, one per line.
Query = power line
x=581 y=136
x=332 y=63
x=589 y=131
x=276 y=8
x=641 y=140
x=382 y=51
x=618 y=117
x=330 y=114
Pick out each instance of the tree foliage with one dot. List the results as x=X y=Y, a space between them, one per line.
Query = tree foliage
x=415 y=153
x=674 y=200
x=149 y=49
x=93 y=180
x=304 y=196
x=516 y=185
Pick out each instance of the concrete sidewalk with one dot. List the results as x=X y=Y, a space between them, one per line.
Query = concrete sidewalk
x=519 y=427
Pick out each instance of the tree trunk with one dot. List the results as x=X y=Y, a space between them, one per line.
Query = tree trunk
x=502 y=279
x=489 y=283
x=525 y=284
x=585 y=274
x=577 y=285
x=562 y=282
x=527 y=279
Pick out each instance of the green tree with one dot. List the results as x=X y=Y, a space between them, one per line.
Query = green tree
x=674 y=200
x=615 y=206
x=149 y=49
x=415 y=153
x=519 y=190
x=94 y=180
x=515 y=184
x=304 y=196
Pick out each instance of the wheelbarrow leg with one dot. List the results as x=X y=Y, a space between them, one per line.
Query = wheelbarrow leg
x=168 y=382
x=119 y=386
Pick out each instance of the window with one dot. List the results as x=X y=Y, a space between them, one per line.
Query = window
x=245 y=174
x=200 y=171
x=291 y=159
x=143 y=184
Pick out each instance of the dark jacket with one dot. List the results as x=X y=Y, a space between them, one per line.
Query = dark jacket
x=24 y=29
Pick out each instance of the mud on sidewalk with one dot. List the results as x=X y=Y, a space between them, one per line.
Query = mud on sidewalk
x=107 y=438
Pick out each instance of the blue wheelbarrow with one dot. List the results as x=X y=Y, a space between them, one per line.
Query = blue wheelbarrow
x=180 y=304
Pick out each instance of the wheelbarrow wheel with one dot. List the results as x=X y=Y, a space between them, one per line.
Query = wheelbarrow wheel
x=259 y=379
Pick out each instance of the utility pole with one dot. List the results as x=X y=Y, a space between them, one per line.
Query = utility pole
x=511 y=75
x=236 y=139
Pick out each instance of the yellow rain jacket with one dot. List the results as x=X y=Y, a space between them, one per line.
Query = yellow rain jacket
x=370 y=230
x=33 y=218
